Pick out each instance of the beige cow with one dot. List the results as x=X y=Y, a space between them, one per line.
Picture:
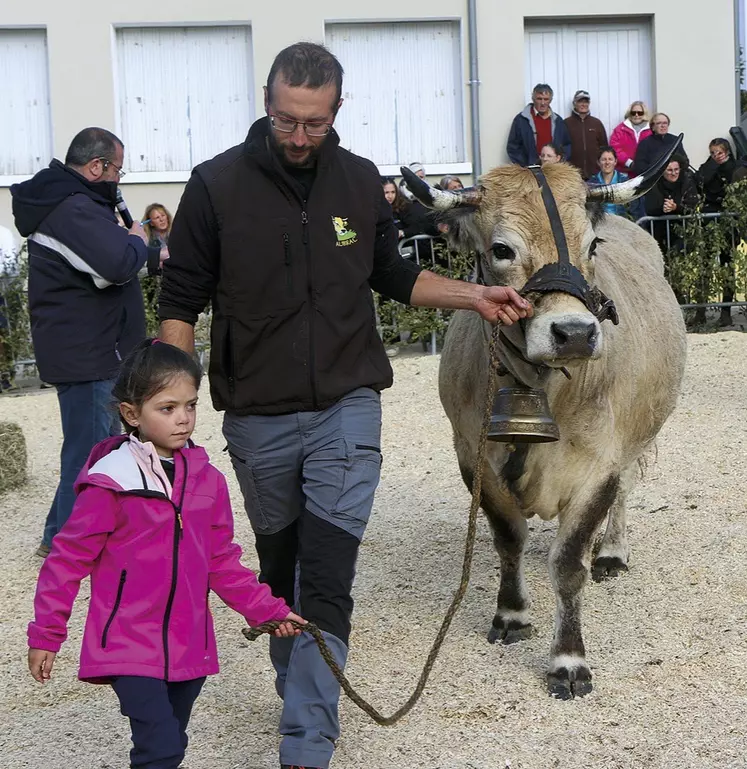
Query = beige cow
x=625 y=382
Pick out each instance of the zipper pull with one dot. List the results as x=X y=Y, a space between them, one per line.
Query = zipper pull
x=304 y=222
x=286 y=248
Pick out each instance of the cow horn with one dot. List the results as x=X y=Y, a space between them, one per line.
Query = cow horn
x=624 y=192
x=440 y=200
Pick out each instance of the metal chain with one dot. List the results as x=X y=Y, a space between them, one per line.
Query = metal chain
x=316 y=633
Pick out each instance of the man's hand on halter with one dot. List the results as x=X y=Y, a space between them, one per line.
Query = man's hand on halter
x=501 y=303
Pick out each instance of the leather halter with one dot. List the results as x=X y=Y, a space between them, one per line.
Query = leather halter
x=562 y=275
x=559 y=276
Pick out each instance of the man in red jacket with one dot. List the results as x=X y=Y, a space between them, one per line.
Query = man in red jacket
x=587 y=133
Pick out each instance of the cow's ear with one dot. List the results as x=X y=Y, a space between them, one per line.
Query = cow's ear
x=461 y=234
x=596 y=212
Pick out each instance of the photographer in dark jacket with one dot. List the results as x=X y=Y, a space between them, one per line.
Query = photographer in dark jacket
x=84 y=297
x=288 y=233
x=712 y=179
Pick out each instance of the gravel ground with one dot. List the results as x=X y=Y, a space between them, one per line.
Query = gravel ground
x=667 y=642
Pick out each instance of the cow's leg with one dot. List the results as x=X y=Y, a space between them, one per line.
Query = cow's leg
x=512 y=621
x=569 y=675
x=614 y=552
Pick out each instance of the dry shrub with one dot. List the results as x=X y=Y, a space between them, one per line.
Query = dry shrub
x=12 y=457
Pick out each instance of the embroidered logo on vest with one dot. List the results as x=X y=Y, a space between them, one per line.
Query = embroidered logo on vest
x=345 y=236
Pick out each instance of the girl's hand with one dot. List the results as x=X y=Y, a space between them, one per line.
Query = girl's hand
x=286 y=630
x=40 y=664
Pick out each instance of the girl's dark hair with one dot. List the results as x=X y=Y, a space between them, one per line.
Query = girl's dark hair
x=609 y=149
x=399 y=204
x=148 y=369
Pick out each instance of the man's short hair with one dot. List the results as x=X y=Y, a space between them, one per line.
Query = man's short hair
x=542 y=88
x=92 y=143
x=306 y=64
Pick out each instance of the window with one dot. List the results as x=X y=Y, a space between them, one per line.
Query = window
x=610 y=60
x=185 y=94
x=402 y=91
x=26 y=125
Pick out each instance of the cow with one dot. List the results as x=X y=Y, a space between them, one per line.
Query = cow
x=610 y=387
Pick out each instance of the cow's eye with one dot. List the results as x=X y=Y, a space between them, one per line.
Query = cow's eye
x=502 y=251
x=593 y=246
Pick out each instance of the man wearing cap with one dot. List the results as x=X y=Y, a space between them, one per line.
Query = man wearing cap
x=587 y=133
x=534 y=127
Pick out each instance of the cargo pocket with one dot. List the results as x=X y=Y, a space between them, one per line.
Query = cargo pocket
x=252 y=498
x=360 y=479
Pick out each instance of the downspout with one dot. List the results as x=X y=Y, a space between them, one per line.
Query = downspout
x=737 y=59
x=474 y=84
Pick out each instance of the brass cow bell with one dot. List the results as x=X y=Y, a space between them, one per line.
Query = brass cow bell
x=522 y=415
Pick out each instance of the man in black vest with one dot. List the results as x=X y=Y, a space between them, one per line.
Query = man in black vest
x=288 y=233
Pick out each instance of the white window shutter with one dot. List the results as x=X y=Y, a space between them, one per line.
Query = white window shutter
x=25 y=118
x=611 y=60
x=402 y=89
x=185 y=94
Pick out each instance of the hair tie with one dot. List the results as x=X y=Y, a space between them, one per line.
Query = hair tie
x=155 y=341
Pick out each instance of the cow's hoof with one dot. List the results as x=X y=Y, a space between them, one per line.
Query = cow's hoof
x=509 y=631
x=565 y=683
x=606 y=567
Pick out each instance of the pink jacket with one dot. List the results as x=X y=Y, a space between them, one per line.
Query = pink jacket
x=624 y=141
x=153 y=561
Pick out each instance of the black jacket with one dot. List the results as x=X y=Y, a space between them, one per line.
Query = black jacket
x=293 y=325
x=683 y=192
x=652 y=148
x=84 y=296
x=712 y=179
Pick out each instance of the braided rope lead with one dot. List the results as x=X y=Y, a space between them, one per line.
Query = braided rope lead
x=316 y=633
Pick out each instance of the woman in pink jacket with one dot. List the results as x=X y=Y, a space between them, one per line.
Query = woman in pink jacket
x=626 y=136
x=153 y=526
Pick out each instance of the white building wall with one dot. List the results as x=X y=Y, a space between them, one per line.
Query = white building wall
x=693 y=58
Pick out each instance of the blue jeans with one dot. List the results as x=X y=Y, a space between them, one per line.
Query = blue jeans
x=88 y=416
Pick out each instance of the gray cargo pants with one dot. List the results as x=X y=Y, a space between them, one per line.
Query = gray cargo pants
x=308 y=481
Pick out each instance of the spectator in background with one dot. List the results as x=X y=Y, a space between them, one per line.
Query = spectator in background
x=550 y=154
x=397 y=201
x=712 y=179
x=608 y=174
x=417 y=219
x=654 y=146
x=674 y=194
x=627 y=136
x=534 y=127
x=450 y=183
x=587 y=134
x=157 y=224
x=419 y=170
x=85 y=301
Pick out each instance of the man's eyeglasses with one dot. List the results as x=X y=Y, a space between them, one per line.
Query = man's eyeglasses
x=637 y=112
x=106 y=163
x=288 y=126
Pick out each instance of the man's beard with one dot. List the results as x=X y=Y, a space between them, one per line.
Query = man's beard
x=280 y=150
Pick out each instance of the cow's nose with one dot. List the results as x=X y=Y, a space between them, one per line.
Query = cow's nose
x=574 y=338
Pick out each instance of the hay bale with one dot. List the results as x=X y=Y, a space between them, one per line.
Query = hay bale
x=12 y=457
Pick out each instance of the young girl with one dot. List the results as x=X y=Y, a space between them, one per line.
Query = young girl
x=153 y=526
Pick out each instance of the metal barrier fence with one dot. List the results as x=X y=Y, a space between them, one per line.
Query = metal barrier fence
x=671 y=232
x=419 y=249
